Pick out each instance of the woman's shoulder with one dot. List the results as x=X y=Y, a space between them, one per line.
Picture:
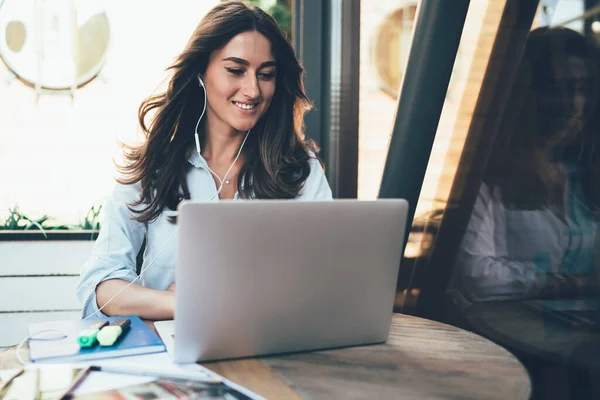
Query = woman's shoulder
x=316 y=186
x=126 y=191
x=313 y=160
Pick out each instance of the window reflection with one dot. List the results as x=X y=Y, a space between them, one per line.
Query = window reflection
x=532 y=231
x=506 y=237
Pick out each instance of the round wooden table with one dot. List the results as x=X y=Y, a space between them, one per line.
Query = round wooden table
x=421 y=359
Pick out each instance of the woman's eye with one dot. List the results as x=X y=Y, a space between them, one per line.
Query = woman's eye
x=266 y=75
x=235 y=71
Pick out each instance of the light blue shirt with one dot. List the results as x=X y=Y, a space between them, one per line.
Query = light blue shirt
x=120 y=238
x=506 y=254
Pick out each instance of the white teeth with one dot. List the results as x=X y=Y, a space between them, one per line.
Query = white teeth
x=244 y=106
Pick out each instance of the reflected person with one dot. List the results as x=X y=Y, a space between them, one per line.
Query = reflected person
x=533 y=231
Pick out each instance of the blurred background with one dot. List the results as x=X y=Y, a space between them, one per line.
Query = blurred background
x=62 y=117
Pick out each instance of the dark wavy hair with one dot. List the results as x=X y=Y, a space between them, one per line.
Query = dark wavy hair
x=531 y=179
x=276 y=153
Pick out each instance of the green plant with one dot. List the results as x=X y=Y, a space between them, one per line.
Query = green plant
x=91 y=220
x=280 y=11
x=16 y=220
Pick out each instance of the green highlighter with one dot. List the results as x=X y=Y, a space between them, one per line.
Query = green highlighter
x=109 y=334
x=87 y=337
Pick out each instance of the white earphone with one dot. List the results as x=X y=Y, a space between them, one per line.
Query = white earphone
x=197 y=139
x=201 y=115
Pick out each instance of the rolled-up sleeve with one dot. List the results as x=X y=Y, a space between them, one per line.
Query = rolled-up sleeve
x=316 y=186
x=488 y=272
x=115 y=251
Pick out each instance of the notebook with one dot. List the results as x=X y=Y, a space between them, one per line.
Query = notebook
x=56 y=341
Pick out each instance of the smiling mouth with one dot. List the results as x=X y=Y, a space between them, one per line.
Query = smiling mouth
x=245 y=106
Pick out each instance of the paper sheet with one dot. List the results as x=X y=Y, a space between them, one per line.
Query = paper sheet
x=98 y=381
x=7 y=374
x=159 y=362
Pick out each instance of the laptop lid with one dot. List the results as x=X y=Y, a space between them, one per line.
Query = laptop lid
x=264 y=277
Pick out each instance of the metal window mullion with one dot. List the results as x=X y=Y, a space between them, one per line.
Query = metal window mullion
x=326 y=39
x=436 y=37
x=342 y=157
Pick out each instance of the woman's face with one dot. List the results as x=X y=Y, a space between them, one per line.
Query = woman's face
x=240 y=82
x=564 y=98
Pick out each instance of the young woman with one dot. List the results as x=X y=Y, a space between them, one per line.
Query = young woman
x=229 y=126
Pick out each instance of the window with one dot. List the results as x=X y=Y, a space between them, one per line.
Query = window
x=505 y=240
x=386 y=29
x=56 y=154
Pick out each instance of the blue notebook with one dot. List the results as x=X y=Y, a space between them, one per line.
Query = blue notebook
x=56 y=341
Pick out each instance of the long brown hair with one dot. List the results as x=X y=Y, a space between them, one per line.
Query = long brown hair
x=276 y=153
x=530 y=164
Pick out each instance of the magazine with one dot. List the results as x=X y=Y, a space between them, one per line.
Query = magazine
x=169 y=389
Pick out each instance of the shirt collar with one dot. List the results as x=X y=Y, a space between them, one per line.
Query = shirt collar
x=197 y=160
x=200 y=162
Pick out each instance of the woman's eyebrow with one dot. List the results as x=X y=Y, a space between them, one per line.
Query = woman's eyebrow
x=237 y=60
x=246 y=63
x=267 y=64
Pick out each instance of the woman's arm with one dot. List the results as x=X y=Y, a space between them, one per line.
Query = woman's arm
x=485 y=269
x=489 y=272
x=113 y=265
x=135 y=300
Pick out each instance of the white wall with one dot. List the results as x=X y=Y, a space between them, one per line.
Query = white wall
x=38 y=283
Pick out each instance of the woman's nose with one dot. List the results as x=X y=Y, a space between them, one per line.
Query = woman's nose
x=250 y=87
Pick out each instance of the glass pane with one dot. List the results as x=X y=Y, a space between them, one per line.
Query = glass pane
x=506 y=240
x=57 y=151
x=386 y=29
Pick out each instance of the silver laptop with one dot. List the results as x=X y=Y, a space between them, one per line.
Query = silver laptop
x=266 y=277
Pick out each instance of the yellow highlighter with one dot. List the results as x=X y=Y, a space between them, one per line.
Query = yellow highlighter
x=109 y=335
x=87 y=337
